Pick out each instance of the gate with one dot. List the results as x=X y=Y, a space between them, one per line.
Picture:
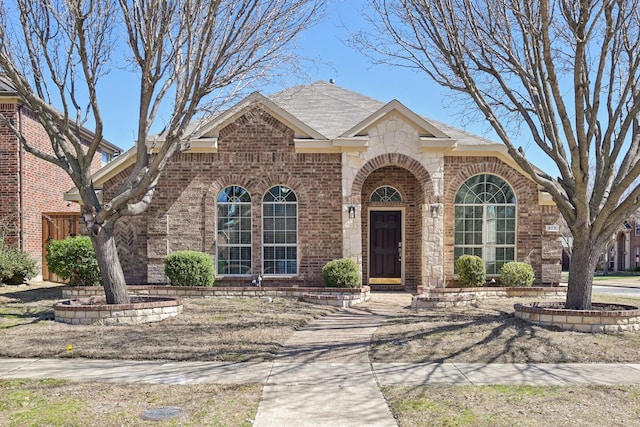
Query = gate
x=57 y=226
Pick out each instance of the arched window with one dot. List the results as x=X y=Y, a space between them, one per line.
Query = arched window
x=233 y=255
x=485 y=221
x=280 y=231
x=386 y=194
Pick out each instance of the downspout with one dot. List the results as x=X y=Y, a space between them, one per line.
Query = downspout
x=21 y=183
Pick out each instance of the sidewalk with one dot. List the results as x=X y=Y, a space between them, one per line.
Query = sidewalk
x=320 y=373
x=323 y=376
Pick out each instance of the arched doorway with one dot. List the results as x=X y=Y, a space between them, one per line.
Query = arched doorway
x=391 y=229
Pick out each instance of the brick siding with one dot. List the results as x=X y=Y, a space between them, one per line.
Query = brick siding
x=43 y=183
x=256 y=152
x=531 y=217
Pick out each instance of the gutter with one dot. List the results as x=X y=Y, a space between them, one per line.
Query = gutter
x=21 y=183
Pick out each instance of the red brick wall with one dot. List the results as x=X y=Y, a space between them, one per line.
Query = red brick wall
x=531 y=217
x=43 y=183
x=257 y=152
x=9 y=177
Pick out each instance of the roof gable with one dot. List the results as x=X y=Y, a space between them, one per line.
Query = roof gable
x=210 y=128
x=424 y=127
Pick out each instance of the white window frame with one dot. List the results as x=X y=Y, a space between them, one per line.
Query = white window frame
x=266 y=245
x=388 y=198
x=485 y=246
x=220 y=246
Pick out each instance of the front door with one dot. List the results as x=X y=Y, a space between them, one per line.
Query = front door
x=385 y=254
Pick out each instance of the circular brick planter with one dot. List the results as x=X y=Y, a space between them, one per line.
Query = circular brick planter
x=95 y=310
x=603 y=318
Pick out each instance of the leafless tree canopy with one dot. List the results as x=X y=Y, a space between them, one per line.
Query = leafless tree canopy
x=566 y=70
x=190 y=56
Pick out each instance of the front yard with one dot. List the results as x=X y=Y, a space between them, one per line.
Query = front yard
x=254 y=329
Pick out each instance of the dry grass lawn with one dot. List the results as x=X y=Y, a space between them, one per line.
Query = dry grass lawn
x=225 y=329
x=488 y=332
x=254 y=329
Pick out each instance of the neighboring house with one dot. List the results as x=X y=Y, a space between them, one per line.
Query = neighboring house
x=624 y=253
x=32 y=190
x=279 y=185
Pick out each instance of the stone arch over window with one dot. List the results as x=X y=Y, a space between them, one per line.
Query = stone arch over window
x=233 y=231
x=386 y=194
x=392 y=159
x=485 y=221
x=280 y=232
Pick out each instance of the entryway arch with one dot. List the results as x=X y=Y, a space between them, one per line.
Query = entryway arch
x=392 y=235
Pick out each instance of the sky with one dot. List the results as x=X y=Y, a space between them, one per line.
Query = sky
x=334 y=60
x=325 y=43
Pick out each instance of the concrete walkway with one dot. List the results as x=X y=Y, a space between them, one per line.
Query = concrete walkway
x=164 y=372
x=323 y=376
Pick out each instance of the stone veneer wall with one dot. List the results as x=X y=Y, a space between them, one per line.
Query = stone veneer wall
x=412 y=199
x=456 y=297
x=393 y=146
x=75 y=313
x=337 y=297
x=581 y=320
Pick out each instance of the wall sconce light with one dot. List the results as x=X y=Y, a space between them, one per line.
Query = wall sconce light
x=435 y=210
x=352 y=212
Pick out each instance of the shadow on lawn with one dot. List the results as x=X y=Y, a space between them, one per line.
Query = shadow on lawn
x=24 y=294
x=481 y=335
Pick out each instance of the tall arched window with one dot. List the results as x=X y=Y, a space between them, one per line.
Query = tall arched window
x=280 y=231
x=233 y=256
x=485 y=221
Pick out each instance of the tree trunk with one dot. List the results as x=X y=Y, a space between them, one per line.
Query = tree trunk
x=584 y=258
x=115 y=287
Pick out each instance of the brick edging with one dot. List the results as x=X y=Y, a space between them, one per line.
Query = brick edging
x=581 y=320
x=338 y=297
x=455 y=297
x=95 y=310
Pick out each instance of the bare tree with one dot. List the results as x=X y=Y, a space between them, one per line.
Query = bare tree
x=564 y=70
x=190 y=56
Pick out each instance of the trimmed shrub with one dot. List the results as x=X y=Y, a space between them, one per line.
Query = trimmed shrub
x=516 y=274
x=16 y=266
x=74 y=259
x=341 y=273
x=471 y=271
x=189 y=268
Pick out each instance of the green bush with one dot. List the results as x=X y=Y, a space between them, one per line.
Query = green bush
x=189 y=268
x=74 y=259
x=15 y=265
x=516 y=274
x=471 y=271
x=341 y=273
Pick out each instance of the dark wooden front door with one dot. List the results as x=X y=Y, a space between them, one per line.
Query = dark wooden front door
x=385 y=255
x=56 y=226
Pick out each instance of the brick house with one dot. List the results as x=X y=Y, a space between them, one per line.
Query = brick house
x=624 y=253
x=32 y=190
x=279 y=185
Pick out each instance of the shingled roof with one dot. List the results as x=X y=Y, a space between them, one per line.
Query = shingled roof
x=327 y=108
x=6 y=88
